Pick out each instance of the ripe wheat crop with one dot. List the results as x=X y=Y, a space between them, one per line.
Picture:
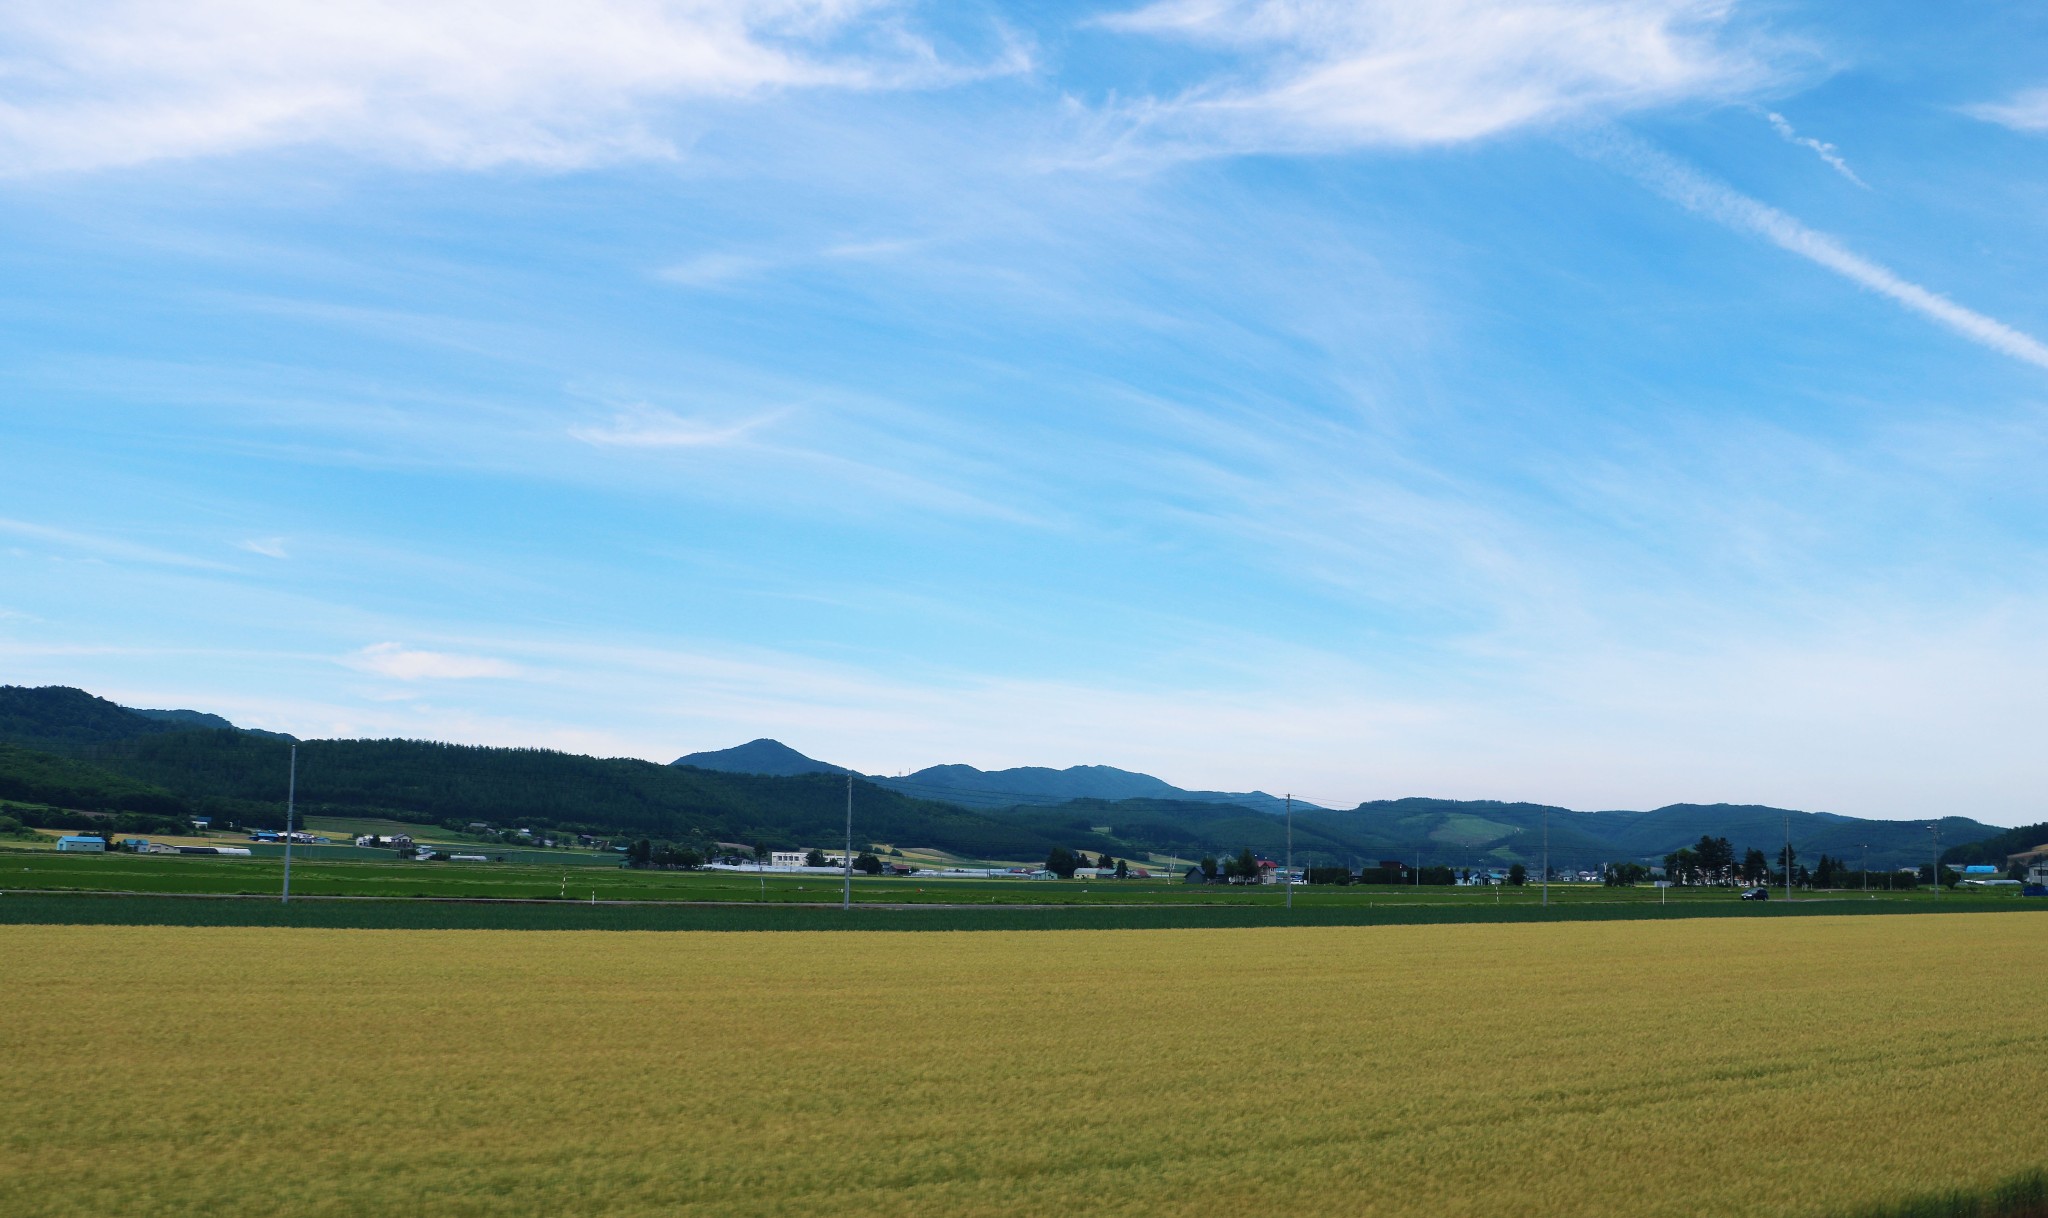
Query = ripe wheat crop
x=1777 y=1066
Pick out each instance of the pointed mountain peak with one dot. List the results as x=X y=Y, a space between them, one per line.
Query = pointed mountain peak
x=764 y=756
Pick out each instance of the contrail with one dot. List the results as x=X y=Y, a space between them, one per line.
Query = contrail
x=1821 y=148
x=1697 y=192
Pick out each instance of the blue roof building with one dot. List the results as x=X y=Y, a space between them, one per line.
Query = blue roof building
x=84 y=845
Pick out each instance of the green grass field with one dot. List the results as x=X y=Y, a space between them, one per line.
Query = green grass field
x=580 y=876
x=1786 y=1066
x=99 y=909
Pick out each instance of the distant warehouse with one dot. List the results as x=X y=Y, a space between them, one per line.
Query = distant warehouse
x=84 y=845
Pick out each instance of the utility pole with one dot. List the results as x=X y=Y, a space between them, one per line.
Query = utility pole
x=1866 y=868
x=1288 y=876
x=1546 y=856
x=1935 y=829
x=291 y=796
x=846 y=902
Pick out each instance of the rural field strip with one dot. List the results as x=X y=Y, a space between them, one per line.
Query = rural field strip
x=1795 y=1066
x=418 y=913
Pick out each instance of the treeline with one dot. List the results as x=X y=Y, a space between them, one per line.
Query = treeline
x=239 y=777
x=1712 y=861
x=45 y=791
x=1993 y=850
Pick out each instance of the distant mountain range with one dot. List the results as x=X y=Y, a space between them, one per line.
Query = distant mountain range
x=1137 y=807
x=973 y=788
x=65 y=751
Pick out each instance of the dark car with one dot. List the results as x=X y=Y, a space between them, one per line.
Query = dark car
x=1756 y=894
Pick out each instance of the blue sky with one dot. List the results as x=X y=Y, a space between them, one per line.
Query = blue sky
x=1606 y=404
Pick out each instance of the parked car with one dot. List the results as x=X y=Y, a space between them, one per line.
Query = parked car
x=1756 y=894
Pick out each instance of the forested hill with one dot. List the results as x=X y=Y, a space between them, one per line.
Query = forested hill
x=1478 y=828
x=1995 y=849
x=1476 y=833
x=136 y=762
x=115 y=760
x=62 y=719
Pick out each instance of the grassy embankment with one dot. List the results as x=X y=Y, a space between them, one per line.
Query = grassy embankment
x=1785 y=1066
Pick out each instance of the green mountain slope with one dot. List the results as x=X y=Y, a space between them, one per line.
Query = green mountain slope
x=30 y=776
x=770 y=757
x=233 y=775
x=1994 y=849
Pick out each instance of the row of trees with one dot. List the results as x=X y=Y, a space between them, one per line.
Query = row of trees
x=1063 y=863
x=1712 y=861
x=1243 y=868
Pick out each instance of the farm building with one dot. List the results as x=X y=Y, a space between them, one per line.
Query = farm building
x=82 y=845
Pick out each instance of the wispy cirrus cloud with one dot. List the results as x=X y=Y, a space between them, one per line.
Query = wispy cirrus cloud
x=2025 y=111
x=725 y=268
x=1323 y=74
x=1698 y=193
x=1825 y=151
x=268 y=547
x=402 y=663
x=647 y=427
x=104 y=547
x=92 y=83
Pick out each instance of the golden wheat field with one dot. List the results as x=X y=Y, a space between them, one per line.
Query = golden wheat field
x=1781 y=1066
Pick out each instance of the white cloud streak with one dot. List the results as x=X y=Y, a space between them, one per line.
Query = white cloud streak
x=401 y=663
x=2025 y=111
x=106 y=547
x=93 y=83
x=1825 y=151
x=268 y=547
x=1717 y=201
x=645 y=427
x=1349 y=73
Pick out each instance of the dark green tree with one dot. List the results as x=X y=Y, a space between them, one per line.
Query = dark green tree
x=1755 y=867
x=1061 y=862
x=1518 y=875
x=814 y=857
x=869 y=863
x=1244 y=869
